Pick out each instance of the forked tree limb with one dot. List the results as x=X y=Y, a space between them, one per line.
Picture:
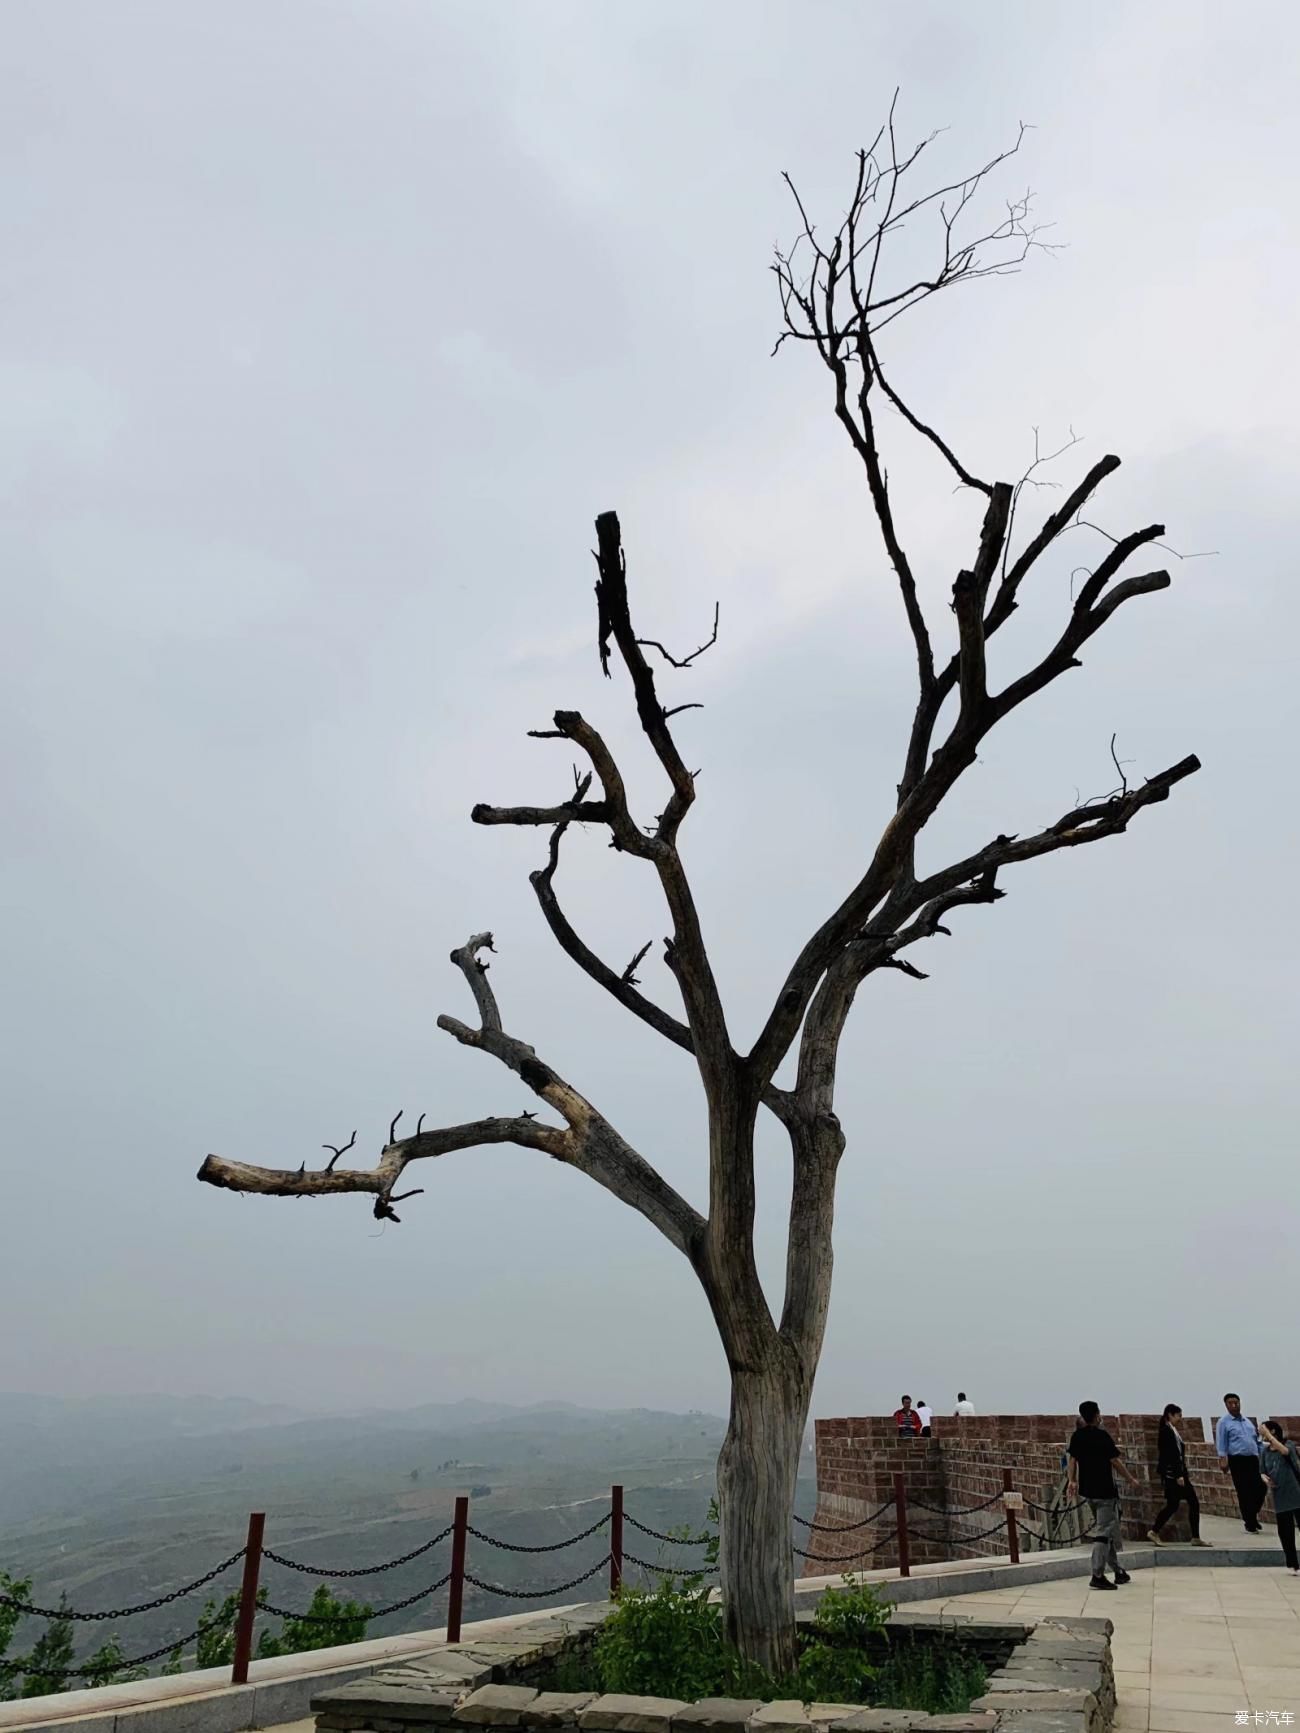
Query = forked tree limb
x=1004 y=602
x=587 y=1141
x=916 y=911
x=622 y=987
x=685 y=661
x=614 y=618
x=1082 y=824
x=862 y=435
x=930 y=777
x=927 y=432
x=687 y=952
x=334 y=1181
x=613 y=810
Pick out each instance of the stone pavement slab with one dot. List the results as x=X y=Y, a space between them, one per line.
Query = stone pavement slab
x=1192 y=1647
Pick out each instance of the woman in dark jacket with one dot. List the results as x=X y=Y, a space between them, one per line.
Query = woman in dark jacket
x=1171 y=1465
x=1281 y=1469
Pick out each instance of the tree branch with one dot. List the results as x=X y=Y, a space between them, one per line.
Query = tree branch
x=581 y=812
x=1004 y=602
x=941 y=446
x=331 y=1181
x=686 y=953
x=684 y=661
x=926 y=784
x=615 y=620
x=1082 y=824
x=587 y=1141
x=862 y=434
x=613 y=810
x=466 y=959
x=622 y=987
x=338 y=1150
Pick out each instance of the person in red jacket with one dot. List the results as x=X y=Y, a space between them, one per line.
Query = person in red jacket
x=907 y=1420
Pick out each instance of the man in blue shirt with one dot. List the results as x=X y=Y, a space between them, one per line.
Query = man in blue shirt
x=1237 y=1443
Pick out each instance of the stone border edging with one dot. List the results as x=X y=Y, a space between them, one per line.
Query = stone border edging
x=1058 y=1676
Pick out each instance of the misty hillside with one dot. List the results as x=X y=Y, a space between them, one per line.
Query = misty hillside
x=117 y=1500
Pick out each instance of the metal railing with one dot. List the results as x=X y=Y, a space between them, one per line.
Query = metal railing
x=1061 y=1527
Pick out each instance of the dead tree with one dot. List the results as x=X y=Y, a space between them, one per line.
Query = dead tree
x=834 y=298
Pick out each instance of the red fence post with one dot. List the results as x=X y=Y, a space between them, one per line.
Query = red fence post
x=615 y=1541
x=1013 y=1533
x=900 y=1511
x=248 y=1599
x=456 y=1593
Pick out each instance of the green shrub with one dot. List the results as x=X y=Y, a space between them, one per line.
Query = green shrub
x=18 y=1589
x=857 y=1613
x=669 y=1642
x=943 y=1678
x=216 y=1642
x=663 y=1642
x=346 y=1624
x=834 y=1663
x=215 y=1646
x=328 y=1621
x=107 y=1666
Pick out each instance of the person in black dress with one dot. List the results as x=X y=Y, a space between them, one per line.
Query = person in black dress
x=1171 y=1465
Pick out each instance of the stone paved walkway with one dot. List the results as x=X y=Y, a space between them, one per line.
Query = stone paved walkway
x=1193 y=1647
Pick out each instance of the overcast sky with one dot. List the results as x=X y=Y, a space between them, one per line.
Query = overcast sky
x=326 y=330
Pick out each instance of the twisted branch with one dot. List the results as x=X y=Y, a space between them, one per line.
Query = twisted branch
x=586 y=1141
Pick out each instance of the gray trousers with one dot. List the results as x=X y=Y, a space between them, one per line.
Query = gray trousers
x=1106 y=1535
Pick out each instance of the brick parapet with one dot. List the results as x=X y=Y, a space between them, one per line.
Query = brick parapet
x=961 y=1465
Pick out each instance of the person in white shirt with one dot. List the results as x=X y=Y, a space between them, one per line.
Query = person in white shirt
x=925 y=1414
x=964 y=1406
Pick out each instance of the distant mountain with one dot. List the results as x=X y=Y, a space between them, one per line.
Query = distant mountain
x=127 y=1415
x=60 y=1454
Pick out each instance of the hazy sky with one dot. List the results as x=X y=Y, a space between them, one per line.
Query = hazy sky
x=326 y=331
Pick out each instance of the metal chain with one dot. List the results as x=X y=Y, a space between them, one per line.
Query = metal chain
x=672 y=1539
x=367 y=1613
x=537 y=1594
x=846 y=1527
x=1051 y=1543
x=1050 y=1539
x=630 y=1558
x=26 y=1666
x=556 y=1546
x=59 y=1614
x=953 y=1510
x=845 y=1557
x=360 y=1570
x=399 y=1606
x=955 y=1540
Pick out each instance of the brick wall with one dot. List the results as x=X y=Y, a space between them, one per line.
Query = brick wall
x=857 y=1460
x=962 y=1465
x=1213 y=1486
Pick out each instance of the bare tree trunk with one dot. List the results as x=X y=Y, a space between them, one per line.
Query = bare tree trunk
x=757 y=1470
x=829 y=298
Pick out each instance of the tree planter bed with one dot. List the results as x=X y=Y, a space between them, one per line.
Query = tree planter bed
x=1048 y=1676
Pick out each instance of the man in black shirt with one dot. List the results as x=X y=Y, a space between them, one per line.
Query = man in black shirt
x=1094 y=1457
